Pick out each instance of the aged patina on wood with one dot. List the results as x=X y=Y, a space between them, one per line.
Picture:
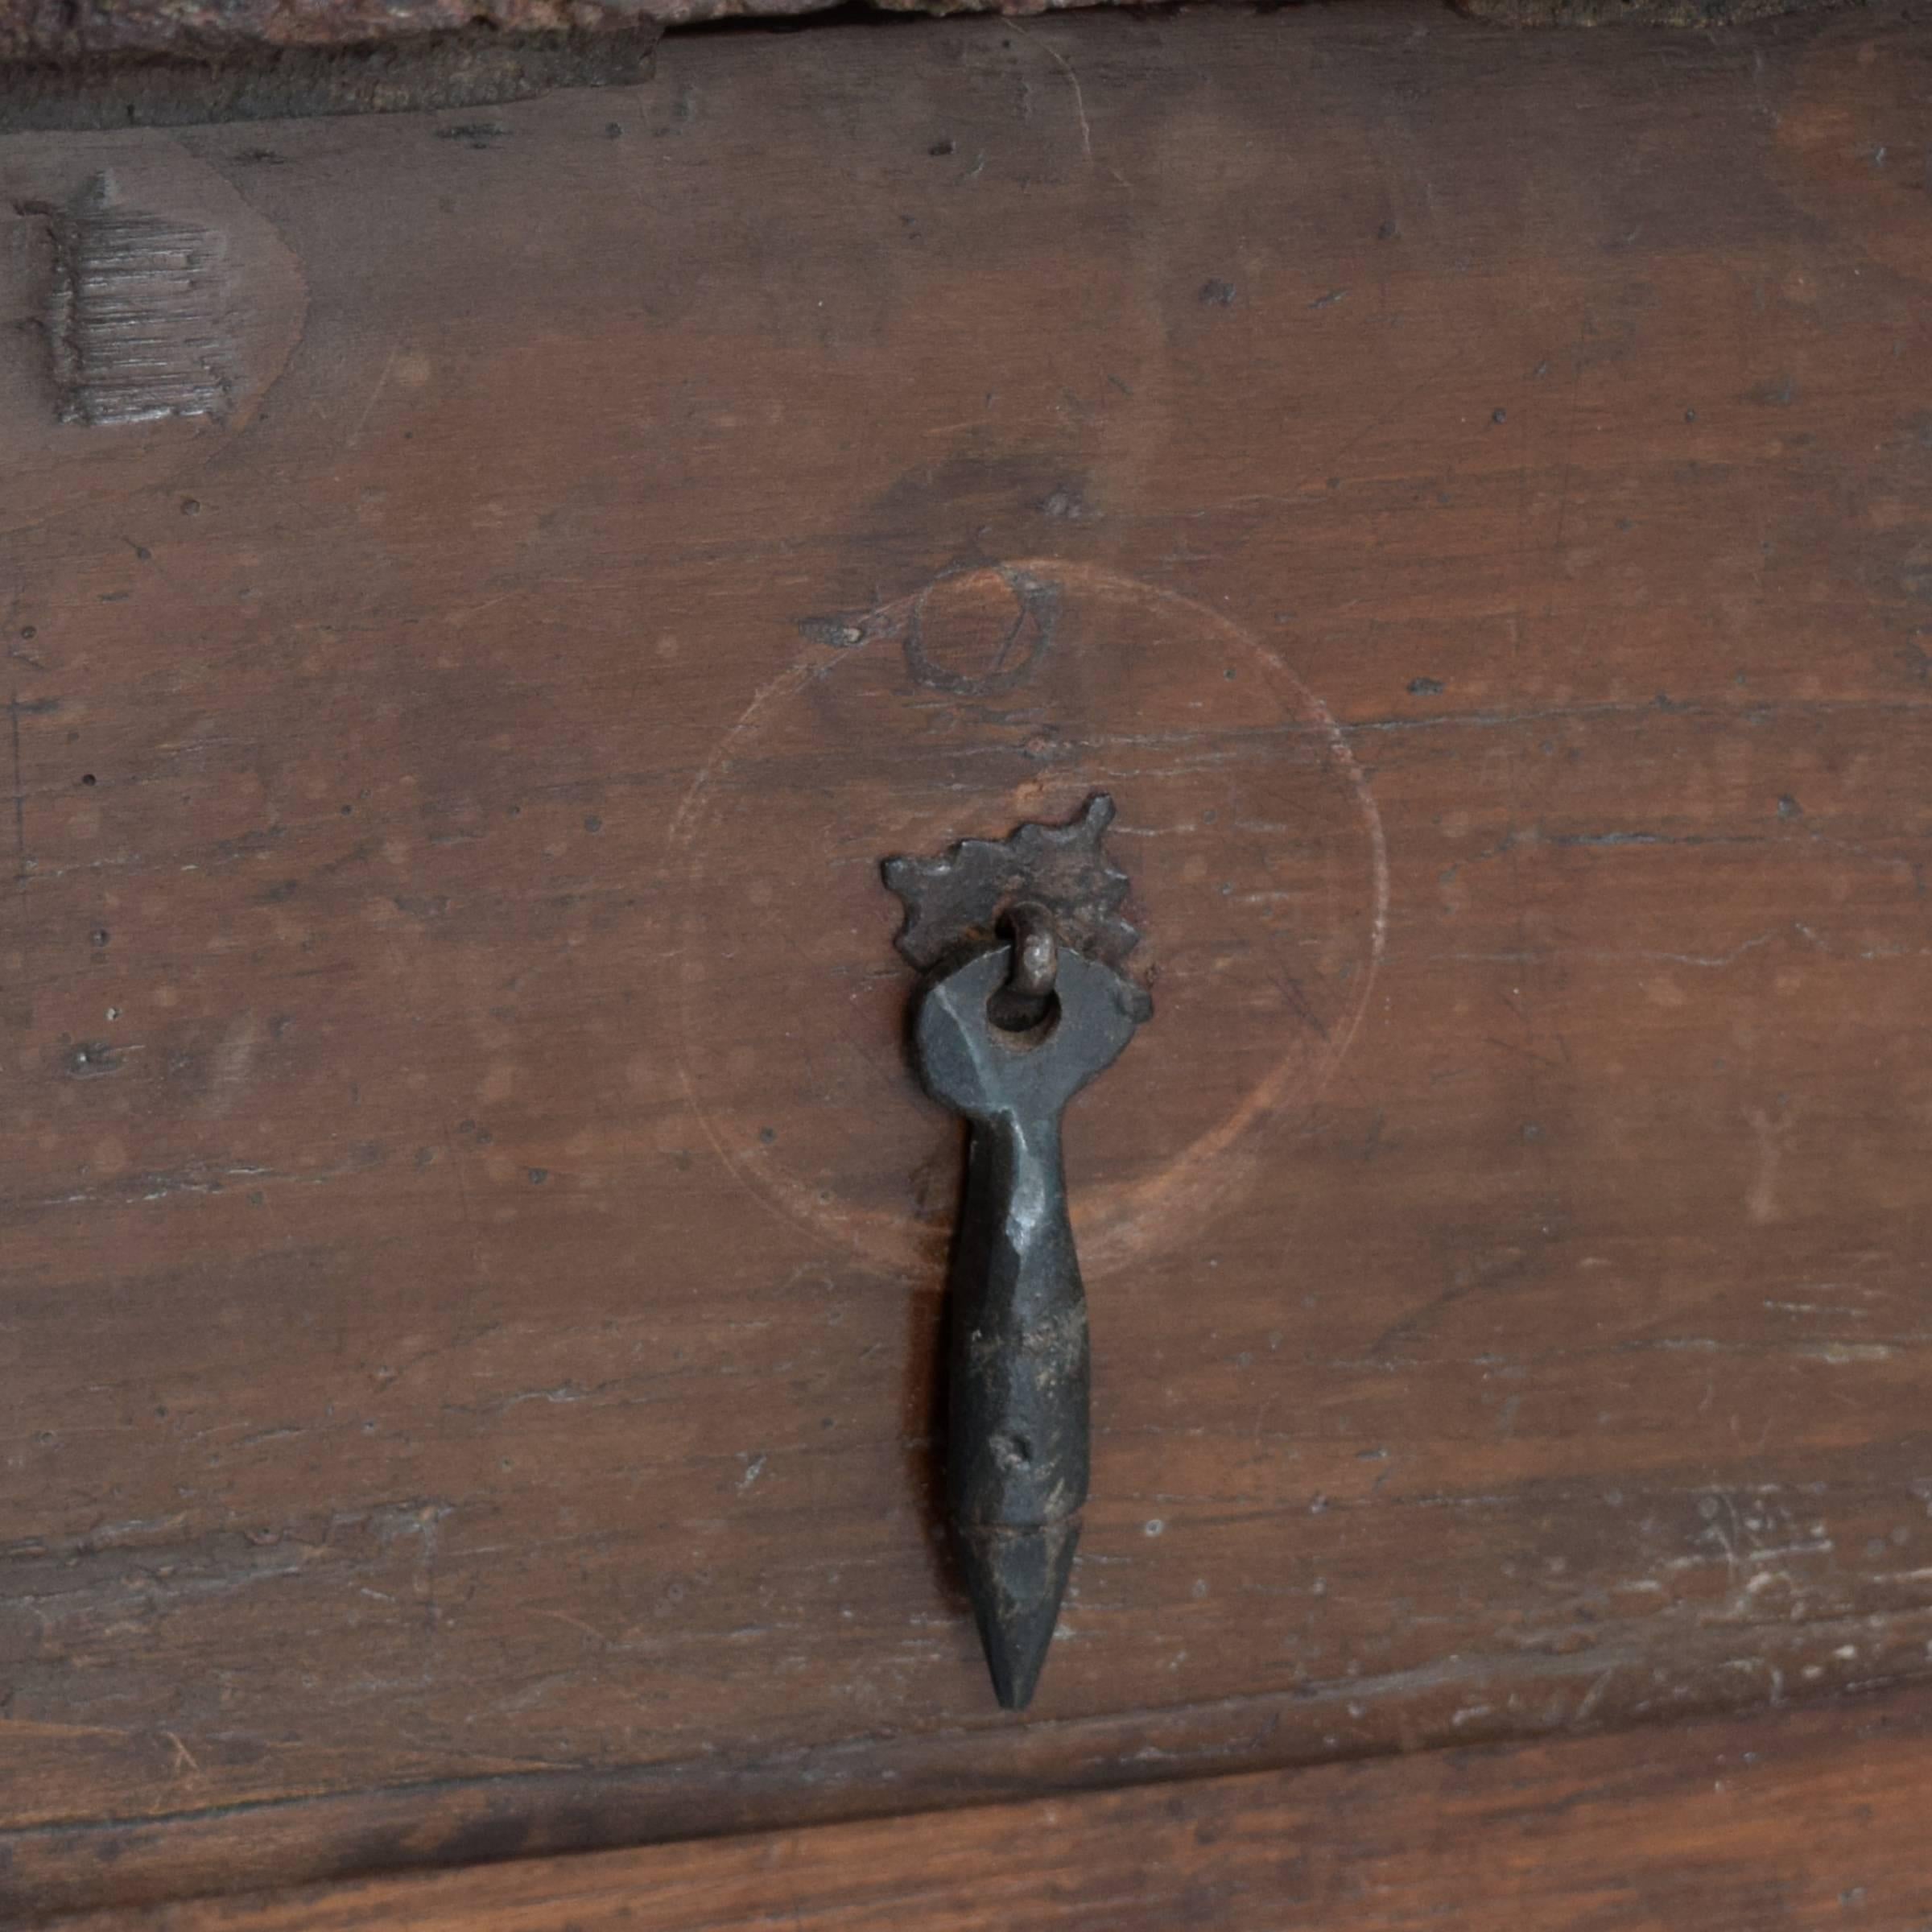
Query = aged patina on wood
x=474 y=1241
x=1798 y=1818
x=77 y=31
x=111 y=64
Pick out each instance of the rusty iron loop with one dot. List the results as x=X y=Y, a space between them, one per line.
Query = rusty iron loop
x=1036 y=953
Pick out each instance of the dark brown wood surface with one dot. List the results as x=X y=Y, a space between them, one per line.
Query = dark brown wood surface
x=1797 y=1819
x=472 y=1248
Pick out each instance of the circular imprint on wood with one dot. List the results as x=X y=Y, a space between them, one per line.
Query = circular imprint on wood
x=149 y=309
x=993 y=696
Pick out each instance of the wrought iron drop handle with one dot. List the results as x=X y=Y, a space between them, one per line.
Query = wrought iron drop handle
x=1007 y=1032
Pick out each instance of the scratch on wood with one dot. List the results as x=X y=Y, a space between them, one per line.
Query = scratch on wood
x=13 y=716
x=134 y=313
x=1079 y=97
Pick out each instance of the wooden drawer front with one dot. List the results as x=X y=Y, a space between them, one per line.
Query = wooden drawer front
x=473 y=1244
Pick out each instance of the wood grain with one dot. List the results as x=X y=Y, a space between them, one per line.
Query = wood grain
x=1794 y=1819
x=462 y=1393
